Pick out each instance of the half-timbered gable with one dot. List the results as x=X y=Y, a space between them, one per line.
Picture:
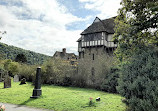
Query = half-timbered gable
x=99 y=33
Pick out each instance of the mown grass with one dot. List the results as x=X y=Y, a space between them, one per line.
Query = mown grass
x=61 y=98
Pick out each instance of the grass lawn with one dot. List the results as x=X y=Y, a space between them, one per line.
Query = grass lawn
x=61 y=98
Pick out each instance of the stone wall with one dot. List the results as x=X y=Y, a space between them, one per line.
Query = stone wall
x=94 y=64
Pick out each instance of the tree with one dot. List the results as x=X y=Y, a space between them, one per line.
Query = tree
x=136 y=26
x=137 y=34
x=21 y=58
x=6 y=64
x=2 y=33
x=56 y=71
x=139 y=80
x=13 y=67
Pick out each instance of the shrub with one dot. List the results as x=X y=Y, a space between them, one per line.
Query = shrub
x=56 y=71
x=139 y=80
x=79 y=80
x=67 y=81
x=111 y=81
x=27 y=71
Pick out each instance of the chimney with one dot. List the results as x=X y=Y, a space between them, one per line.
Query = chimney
x=64 y=50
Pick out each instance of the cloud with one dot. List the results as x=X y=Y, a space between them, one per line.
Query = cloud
x=107 y=8
x=38 y=25
x=46 y=26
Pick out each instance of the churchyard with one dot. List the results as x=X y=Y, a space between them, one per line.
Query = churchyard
x=61 y=98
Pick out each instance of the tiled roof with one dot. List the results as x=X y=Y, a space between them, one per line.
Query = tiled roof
x=62 y=55
x=106 y=25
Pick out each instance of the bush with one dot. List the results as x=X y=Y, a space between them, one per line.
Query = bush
x=56 y=71
x=27 y=71
x=67 y=81
x=139 y=80
x=111 y=81
x=79 y=80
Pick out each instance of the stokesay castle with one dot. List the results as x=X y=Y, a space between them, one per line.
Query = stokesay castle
x=94 y=45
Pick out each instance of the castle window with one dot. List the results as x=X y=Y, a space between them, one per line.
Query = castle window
x=93 y=56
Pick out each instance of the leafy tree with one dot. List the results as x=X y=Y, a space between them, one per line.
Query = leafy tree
x=6 y=64
x=27 y=71
x=136 y=26
x=21 y=58
x=56 y=71
x=137 y=33
x=13 y=67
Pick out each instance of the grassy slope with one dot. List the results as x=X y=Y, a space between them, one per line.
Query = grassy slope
x=61 y=98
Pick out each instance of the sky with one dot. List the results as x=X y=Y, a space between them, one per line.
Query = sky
x=46 y=26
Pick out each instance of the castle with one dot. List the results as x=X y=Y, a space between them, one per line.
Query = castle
x=94 y=46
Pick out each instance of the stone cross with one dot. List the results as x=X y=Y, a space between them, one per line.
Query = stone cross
x=7 y=82
x=16 y=78
x=37 y=89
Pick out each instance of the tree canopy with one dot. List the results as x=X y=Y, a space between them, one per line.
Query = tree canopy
x=21 y=58
x=137 y=34
x=12 y=52
x=136 y=26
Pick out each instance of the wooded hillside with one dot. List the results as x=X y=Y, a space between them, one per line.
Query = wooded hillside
x=10 y=52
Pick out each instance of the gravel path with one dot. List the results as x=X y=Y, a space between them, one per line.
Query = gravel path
x=12 y=107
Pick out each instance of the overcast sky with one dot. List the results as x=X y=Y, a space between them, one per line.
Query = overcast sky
x=46 y=26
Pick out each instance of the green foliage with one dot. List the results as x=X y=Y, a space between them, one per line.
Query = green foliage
x=21 y=58
x=27 y=71
x=13 y=67
x=6 y=64
x=137 y=33
x=81 y=78
x=91 y=103
x=111 y=81
x=56 y=71
x=136 y=25
x=61 y=98
x=11 y=52
x=1 y=68
x=139 y=80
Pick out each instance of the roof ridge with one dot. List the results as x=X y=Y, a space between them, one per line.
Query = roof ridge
x=98 y=25
x=96 y=19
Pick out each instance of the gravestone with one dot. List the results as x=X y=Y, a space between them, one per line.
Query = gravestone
x=0 y=77
x=16 y=78
x=37 y=92
x=23 y=81
x=7 y=82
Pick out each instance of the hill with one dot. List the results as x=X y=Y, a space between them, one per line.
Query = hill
x=10 y=52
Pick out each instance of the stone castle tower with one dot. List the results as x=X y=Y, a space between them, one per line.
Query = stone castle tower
x=94 y=47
